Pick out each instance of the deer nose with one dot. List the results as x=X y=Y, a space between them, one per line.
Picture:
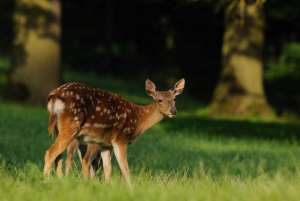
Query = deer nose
x=173 y=111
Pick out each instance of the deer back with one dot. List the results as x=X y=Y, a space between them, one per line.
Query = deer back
x=92 y=108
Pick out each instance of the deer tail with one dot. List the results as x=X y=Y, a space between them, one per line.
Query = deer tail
x=55 y=106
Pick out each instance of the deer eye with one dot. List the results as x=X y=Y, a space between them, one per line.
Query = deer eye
x=160 y=100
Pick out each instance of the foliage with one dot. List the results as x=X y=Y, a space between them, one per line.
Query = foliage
x=282 y=77
x=4 y=67
x=287 y=64
x=288 y=10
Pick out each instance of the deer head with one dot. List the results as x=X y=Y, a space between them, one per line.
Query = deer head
x=165 y=99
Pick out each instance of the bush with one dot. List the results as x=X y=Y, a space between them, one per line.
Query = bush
x=287 y=65
x=282 y=78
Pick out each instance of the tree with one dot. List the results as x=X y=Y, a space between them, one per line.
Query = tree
x=240 y=89
x=36 y=49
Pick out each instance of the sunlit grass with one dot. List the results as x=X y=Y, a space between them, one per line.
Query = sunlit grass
x=163 y=187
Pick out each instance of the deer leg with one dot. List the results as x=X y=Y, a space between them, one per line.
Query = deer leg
x=120 y=151
x=58 y=165
x=59 y=145
x=92 y=150
x=106 y=159
x=96 y=162
x=95 y=159
x=70 y=155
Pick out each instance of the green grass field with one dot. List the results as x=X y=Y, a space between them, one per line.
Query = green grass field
x=187 y=158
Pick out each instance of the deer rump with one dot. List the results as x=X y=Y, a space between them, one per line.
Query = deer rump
x=55 y=107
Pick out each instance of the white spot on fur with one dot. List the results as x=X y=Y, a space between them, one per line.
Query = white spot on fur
x=89 y=139
x=87 y=125
x=58 y=106
x=96 y=125
x=98 y=108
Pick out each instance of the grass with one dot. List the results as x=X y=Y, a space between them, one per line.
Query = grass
x=187 y=158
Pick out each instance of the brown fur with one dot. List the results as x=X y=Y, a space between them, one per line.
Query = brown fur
x=94 y=116
x=52 y=130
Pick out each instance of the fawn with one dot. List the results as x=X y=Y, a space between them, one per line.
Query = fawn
x=88 y=155
x=93 y=116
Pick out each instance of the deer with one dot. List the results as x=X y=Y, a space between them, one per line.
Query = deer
x=88 y=154
x=94 y=116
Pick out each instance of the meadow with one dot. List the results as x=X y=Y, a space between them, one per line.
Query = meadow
x=191 y=157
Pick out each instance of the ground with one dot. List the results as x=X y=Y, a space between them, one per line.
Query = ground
x=190 y=157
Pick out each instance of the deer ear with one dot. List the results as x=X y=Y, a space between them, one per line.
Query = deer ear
x=150 y=88
x=179 y=86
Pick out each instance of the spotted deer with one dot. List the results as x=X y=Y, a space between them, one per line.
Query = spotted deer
x=93 y=116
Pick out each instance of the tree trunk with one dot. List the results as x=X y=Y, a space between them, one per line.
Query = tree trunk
x=240 y=90
x=36 y=49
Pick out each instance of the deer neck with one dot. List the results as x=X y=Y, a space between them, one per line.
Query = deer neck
x=148 y=116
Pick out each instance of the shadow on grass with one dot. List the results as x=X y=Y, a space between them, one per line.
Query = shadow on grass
x=255 y=150
x=237 y=128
